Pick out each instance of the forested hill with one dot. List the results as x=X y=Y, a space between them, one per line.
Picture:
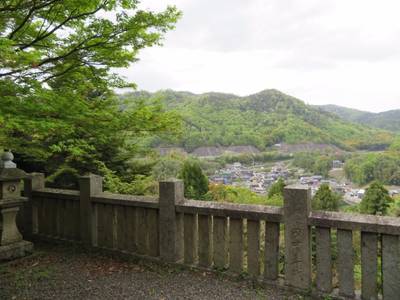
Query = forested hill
x=262 y=119
x=389 y=120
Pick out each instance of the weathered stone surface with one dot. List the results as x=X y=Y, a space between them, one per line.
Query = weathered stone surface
x=122 y=228
x=141 y=226
x=126 y=200
x=190 y=238
x=236 y=245
x=105 y=226
x=33 y=182
x=171 y=193
x=152 y=228
x=253 y=248
x=271 y=263
x=89 y=186
x=61 y=218
x=369 y=265
x=179 y=242
x=131 y=229
x=324 y=259
x=56 y=194
x=9 y=231
x=297 y=203
x=205 y=241
x=345 y=263
x=356 y=222
x=69 y=226
x=390 y=267
x=237 y=211
x=220 y=245
x=76 y=220
x=15 y=250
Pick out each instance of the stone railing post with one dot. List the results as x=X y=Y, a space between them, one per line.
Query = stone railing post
x=33 y=182
x=297 y=206
x=89 y=186
x=171 y=193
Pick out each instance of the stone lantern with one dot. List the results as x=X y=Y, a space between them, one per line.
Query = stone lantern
x=11 y=243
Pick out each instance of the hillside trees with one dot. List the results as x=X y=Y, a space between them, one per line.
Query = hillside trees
x=376 y=200
x=261 y=120
x=325 y=199
x=58 y=112
x=276 y=189
x=317 y=163
x=195 y=182
x=365 y=168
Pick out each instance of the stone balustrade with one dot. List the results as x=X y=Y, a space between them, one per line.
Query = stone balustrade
x=271 y=244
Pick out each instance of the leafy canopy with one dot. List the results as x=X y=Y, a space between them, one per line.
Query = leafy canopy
x=276 y=189
x=376 y=200
x=195 y=182
x=43 y=40
x=58 y=112
x=325 y=199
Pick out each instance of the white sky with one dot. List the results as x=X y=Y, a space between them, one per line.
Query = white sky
x=345 y=52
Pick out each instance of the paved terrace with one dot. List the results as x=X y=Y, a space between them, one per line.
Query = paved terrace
x=66 y=271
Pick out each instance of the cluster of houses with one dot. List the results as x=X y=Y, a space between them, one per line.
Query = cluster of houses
x=314 y=182
x=258 y=179
x=252 y=177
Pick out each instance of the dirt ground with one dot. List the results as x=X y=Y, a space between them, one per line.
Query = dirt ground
x=63 y=271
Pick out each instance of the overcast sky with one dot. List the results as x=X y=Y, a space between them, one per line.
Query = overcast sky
x=345 y=52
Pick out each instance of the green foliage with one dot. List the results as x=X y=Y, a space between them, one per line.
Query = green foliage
x=196 y=183
x=167 y=167
x=316 y=162
x=58 y=113
x=325 y=199
x=367 y=167
x=394 y=209
x=71 y=40
x=389 y=120
x=228 y=193
x=261 y=120
x=395 y=146
x=277 y=189
x=376 y=200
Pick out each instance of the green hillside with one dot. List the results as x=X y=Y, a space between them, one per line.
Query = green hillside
x=261 y=119
x=388 y=120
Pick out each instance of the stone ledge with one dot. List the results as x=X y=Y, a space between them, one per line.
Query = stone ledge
x=126 y=200
x=241 y=211
x=15 y=250
x=347 y=221
x=49 y=193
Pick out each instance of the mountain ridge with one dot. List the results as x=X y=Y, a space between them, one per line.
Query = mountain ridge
x=388 y=120
x=261 y=119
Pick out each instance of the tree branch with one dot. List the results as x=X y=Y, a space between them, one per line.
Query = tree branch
x=28 y=16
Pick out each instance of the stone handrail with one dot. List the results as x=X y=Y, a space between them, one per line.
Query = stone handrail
x=219 y=209
x=57 y=193
x=237 y=237
x=355 y=222
x=126 y=200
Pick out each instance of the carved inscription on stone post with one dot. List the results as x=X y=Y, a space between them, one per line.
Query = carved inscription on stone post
x=297 y=237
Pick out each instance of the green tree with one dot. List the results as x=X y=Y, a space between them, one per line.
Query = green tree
x=167 y=168
x=325 y=199
x=376 y=200
x=44 y=40
x=196 y=183
x=276 y=190
x=58 y=112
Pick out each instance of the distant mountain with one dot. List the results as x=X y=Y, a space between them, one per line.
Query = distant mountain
x=389 y=120
x=261 y=120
